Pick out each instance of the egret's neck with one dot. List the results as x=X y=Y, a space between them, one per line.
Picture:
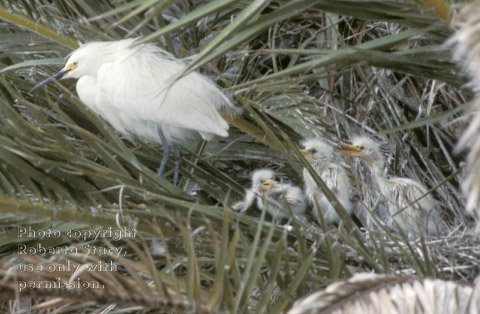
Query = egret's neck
x=377 y=168
x=319 y=164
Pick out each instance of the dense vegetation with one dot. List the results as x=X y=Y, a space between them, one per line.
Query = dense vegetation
x=331 y=69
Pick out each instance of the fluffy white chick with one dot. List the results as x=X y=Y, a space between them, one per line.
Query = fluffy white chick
x=274 y=196
x=408 y=205
x=321 y=156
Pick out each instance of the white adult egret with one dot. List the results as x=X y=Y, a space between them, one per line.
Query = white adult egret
x=320 y=155
x=408 y=204
x=139 y=90
x=387 y=294
x=276 y=197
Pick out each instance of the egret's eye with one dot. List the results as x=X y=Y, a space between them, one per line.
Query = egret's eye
x=313 y=150
x=72 y=66
x=361 y=147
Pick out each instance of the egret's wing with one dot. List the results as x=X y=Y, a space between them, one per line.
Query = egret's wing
x=329 y=176
x=401 y=194
x=240 y=205
x=294 y=196
x=142 y=86
x=336 y=179
x=277 y=194
x=247 y=202
x=404 y=191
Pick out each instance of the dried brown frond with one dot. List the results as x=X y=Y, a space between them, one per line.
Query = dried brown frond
x=370 y=293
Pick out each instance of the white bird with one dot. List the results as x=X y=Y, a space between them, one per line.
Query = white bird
x=272 y=195
x=321 y=156
x=408 y=204
x=139 y=90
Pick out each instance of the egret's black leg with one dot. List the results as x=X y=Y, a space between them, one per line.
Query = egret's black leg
x=166 y=152
x=178 y=163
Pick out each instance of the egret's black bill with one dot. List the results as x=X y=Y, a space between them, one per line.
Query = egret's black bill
x=56 y=76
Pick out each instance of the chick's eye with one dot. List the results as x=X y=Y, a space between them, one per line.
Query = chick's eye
x=313 y=151
x=361 y=147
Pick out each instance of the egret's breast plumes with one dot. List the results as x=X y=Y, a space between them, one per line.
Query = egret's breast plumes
x=140 y=90
x=321 y=156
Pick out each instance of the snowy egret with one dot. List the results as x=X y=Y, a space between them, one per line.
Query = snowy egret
x=321 y=156
x=408 y=204
x=139 y=90
x=272 y=195
x=386 y=294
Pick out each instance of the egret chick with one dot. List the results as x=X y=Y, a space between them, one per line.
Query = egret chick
x=400 y=193
x=139 y=90
x=272 y=195
x=320 y=155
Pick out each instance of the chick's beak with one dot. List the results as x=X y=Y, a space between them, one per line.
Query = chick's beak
x=269 y=183
x=349 y=150
x=305 y=152
x=54 y=77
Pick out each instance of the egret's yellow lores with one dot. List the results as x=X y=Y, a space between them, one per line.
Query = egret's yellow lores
x=409 y=207
x=139 y=90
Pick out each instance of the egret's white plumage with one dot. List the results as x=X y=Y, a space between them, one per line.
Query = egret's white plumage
x=321 y=156
x=276 y=197
x=139 y=90
x=399 y=193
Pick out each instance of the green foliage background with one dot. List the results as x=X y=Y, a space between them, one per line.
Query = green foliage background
x=297 y=68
